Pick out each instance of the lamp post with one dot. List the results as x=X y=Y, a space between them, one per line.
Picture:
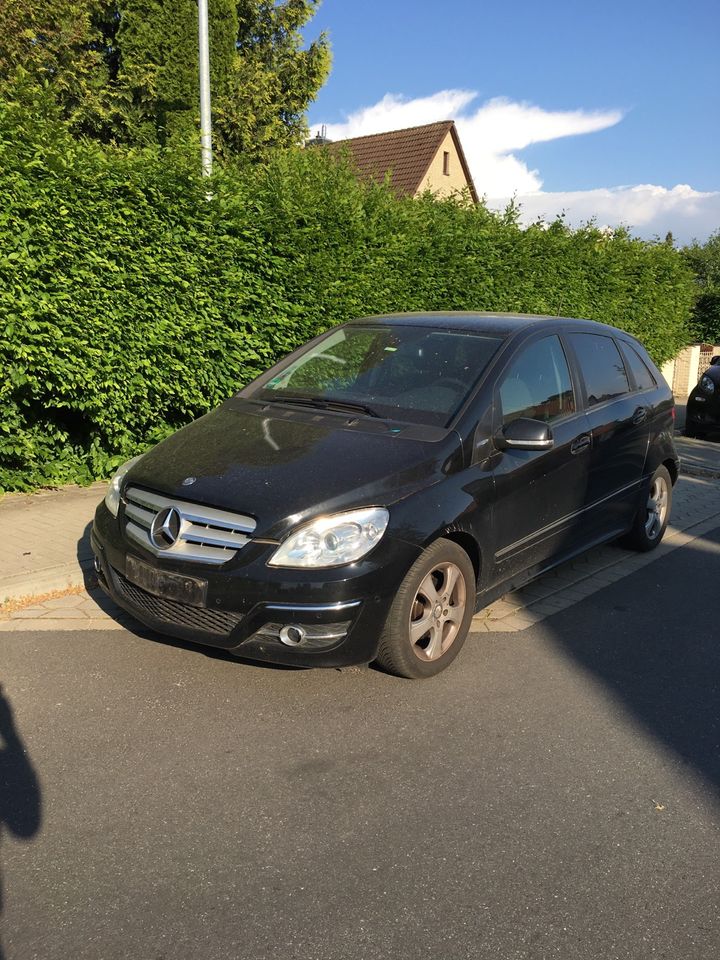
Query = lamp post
x=204 y=60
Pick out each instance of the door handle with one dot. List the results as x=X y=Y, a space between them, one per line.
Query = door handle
x=640 y=415
x=580 y=443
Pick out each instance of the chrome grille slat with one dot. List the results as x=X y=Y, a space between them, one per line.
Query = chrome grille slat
x=195 y=512
x=240 y=524
x=146 y=499
x=143 y=517
x=136 y=533
x=206 y=535
x=213 y=536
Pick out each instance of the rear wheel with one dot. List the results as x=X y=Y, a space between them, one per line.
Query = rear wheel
x=431 y=613
x=652 y=517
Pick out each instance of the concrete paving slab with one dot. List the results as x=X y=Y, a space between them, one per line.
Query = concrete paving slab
x=699 y=457
x=45 y=539
x=68 y=601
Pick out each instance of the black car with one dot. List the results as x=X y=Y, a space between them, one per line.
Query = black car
x=702 y=415
x=367 y=495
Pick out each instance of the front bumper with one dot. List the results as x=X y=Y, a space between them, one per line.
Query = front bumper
x=340 y=612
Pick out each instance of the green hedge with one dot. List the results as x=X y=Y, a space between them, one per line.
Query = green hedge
x=131 y=302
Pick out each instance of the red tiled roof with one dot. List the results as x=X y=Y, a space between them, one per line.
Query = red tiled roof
x=406 y=154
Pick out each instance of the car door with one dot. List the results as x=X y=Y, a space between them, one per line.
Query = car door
x=539 y=494
x=620 y=424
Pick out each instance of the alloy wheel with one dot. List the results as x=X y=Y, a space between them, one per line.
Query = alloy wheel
x=437 y=611
x=656 y=508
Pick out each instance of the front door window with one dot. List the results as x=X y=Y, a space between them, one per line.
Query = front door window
x=537 y=384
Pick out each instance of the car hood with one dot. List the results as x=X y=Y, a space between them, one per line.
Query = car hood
x=283 y=465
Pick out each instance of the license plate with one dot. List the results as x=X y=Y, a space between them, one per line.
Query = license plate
x=171 y=586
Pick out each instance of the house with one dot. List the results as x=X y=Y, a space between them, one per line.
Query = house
x=429 y=157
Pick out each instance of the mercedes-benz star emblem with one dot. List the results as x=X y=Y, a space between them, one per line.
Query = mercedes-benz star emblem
x=165 y=528
x=188 y=480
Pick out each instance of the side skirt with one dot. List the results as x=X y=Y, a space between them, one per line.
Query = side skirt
x=486 y=597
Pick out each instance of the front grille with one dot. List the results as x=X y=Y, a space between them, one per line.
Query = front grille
x=220 y=622
x=202 y=534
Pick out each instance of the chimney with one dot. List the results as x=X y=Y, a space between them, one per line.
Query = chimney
x=320 y=138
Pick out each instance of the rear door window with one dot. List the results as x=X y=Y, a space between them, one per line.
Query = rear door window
x=602 y=367
x=537 y=384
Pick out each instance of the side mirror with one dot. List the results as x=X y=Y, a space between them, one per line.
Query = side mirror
x=525 y=434
x=715 y=361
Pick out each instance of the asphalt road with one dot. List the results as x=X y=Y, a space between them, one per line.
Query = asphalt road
x=555 y=794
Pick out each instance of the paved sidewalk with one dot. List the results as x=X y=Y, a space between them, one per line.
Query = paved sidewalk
x=45 y=540
x=47 y=552
x=700 y=458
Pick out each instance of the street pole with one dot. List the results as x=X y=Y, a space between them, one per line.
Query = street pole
x=205 y=118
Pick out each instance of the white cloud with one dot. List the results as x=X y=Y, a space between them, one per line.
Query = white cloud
x=649 y=210
x=488 y=134
x=502 y=125
x=492 y=132
x=395 y=113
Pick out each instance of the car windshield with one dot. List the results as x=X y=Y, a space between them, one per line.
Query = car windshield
x=403 y=372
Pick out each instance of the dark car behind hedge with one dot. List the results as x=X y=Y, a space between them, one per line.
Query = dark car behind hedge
x=702 y=416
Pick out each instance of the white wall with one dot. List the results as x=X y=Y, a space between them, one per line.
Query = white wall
x=684 y=371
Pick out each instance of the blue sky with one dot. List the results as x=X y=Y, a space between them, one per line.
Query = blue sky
x=609 y=110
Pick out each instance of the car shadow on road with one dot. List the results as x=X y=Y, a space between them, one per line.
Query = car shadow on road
x=20 y=799
x=652 y=641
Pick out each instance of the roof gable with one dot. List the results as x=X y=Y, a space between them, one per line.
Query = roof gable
x=406 y=154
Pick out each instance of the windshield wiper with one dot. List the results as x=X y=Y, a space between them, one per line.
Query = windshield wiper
x=350 y=405
x=322 y=403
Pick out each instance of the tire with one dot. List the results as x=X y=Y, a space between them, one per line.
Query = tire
x=694 y=433
x=652 y=517
x=438 y=592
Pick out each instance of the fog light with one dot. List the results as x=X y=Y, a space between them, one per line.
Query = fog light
x=292 y=635
x=311 y=636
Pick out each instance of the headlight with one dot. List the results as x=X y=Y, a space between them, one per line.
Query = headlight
x=333 y=541
x=112 y=497
x=706 y=384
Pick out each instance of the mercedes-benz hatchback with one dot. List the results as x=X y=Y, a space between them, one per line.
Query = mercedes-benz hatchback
x=367 y=495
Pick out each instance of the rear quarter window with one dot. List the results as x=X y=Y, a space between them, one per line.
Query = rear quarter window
x=644 y=380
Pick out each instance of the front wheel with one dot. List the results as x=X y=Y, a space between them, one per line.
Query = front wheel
x=652 y=517
x=431 y=613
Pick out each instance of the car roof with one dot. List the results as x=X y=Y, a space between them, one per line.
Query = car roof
x=498 y=324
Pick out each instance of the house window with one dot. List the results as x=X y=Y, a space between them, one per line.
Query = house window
x=446 y=163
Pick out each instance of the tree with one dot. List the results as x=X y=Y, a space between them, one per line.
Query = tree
x=262 y=99
x=704 y=260
x=157 y=64
x=126 y=71
x=56 y=44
